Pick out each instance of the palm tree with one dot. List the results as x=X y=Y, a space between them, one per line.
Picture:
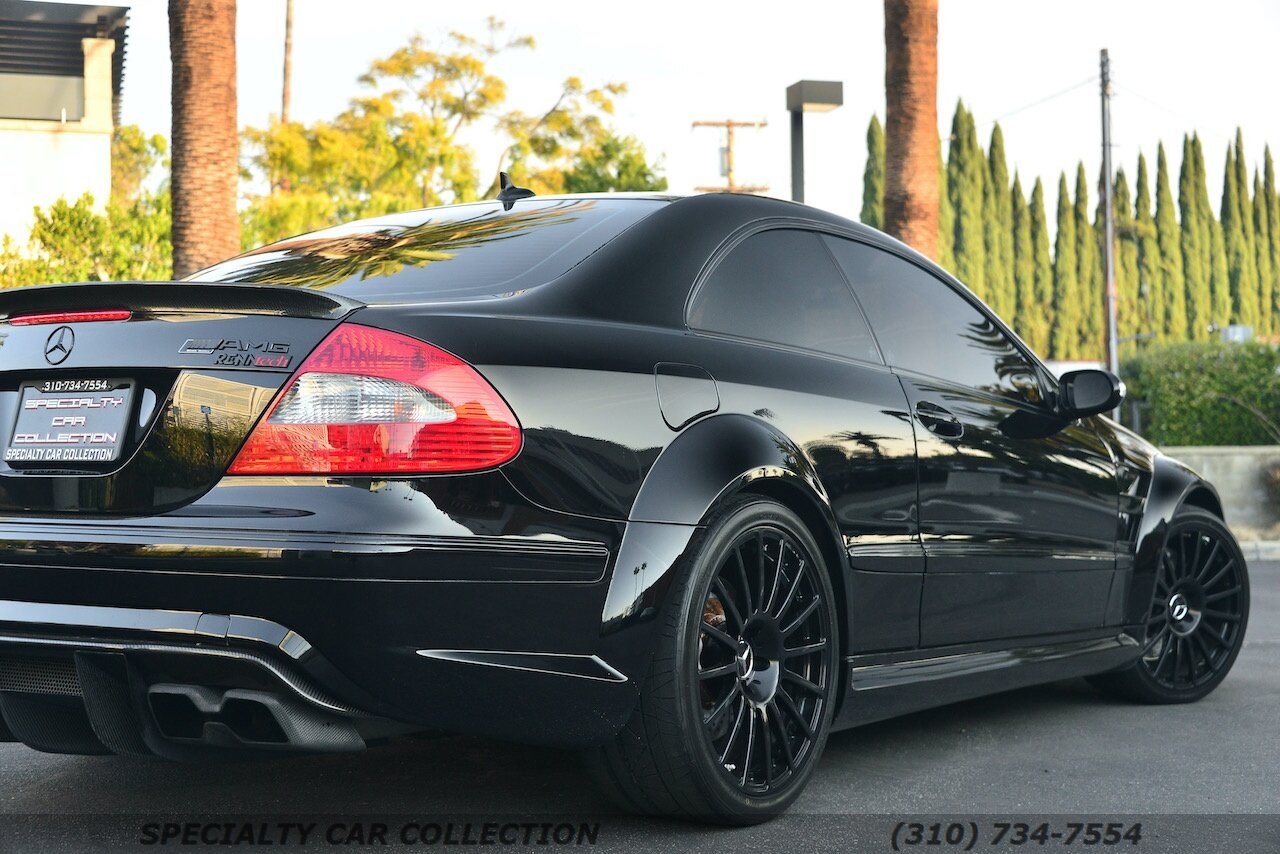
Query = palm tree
x=911 y=122
x=287 y=92
x=206 y=150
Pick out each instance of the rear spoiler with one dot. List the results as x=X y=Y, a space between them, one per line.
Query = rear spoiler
x=175 y=297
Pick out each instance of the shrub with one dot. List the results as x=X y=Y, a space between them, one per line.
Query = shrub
x=1205 y=394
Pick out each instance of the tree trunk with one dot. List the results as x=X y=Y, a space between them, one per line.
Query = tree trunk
x=911 y=122
x=286 y=94
x=206 y=150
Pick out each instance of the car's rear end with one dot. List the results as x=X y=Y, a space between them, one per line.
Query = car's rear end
x=241 y=513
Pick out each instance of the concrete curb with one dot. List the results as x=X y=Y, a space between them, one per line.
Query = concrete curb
x=1260 y=549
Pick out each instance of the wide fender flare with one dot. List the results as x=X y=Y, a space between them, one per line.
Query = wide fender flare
x=714 y=457
x=706 y=464
x=1172 y=482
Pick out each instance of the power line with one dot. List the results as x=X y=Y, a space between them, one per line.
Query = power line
x=1046 y=99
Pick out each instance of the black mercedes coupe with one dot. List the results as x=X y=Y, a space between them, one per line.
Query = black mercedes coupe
x=684 y=483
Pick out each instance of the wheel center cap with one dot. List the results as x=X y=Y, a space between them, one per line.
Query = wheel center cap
x=745 y=660
x=1184 y=612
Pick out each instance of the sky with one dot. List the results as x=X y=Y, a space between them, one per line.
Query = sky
x=1177 y=65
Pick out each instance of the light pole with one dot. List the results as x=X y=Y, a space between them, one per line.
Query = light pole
x=807 y=96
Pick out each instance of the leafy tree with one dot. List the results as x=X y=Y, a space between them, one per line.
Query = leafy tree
x=1067 y=304
x=1028 y=315
x=1151 y=277
x=401 y=144
x=966 y=173
x=873 y=176
x=1169 y=237
x=1089 y=261
x=998 y=230
x=133 y=157
x=612 y=163
x=73 y=242
x=1196 y=240
x=1043 y=297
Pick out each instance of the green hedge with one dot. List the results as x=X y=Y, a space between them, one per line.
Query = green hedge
x=1204 y=394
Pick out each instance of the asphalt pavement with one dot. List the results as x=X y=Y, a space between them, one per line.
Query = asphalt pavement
x=1199 y=777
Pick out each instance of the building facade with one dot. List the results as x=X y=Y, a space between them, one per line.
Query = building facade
x=61 y=70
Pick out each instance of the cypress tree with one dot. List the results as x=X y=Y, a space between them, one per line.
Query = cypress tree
x=1067 y=321
x=873 y=176
x=1043 y=295
x=966 y=169
x=1273 y=230
x=1127 y=323
x=1030 y=316
x=1195 y=246
x=1241 y=264
x=946 y=218
x=1170 y=239
x=1089 y=277
x=1150 y=272
x=998 y=230
x=1246 y=208
x=1219 y=281
x=1262 y=251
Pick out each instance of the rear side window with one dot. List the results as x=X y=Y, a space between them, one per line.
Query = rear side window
x=448 y=253
x=781 y=286
x=924 y=325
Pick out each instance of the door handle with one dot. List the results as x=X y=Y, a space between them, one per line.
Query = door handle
x=939 y=421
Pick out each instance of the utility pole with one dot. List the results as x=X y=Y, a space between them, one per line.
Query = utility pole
x=729 y=125
x=287 y=93
x=1109 y=218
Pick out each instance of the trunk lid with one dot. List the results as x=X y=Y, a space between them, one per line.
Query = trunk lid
x=144 y=415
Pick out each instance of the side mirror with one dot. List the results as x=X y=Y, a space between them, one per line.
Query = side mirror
x=1088 y=392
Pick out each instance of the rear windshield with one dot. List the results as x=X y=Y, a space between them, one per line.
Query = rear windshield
x=448 y=253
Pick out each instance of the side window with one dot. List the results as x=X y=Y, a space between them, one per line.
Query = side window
x=923 y=325
x=781 y=286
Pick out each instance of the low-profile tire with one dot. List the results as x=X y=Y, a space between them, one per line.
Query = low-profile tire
x=1197 y=616
x=737 y=704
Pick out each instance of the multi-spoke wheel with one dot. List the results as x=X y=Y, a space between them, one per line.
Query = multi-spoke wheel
x=763 y=667
x=738 y=702
x=1196 y=621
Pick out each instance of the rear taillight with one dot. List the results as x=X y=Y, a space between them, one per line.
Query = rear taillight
x=70 y=317
x=368 y=401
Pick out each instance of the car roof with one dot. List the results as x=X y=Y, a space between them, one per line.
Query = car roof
x=625 y=257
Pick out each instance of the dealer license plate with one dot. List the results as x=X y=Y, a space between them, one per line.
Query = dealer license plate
x=71 y=421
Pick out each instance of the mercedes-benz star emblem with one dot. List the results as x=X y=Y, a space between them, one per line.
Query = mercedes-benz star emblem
x=57 y=347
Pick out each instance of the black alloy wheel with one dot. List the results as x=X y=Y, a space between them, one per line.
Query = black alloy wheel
x=1198 y=610
x=763 y=666
x=738 y=701
x=1195 y=623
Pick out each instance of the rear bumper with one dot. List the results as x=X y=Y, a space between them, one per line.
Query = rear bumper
x=473 y=627
x=503 y=659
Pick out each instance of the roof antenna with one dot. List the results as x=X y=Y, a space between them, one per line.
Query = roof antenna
x=510 y=193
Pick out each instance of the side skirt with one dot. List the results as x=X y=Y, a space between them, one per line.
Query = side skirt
x=887 y=685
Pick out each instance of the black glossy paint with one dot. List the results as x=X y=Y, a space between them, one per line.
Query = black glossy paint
x=983 y=530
